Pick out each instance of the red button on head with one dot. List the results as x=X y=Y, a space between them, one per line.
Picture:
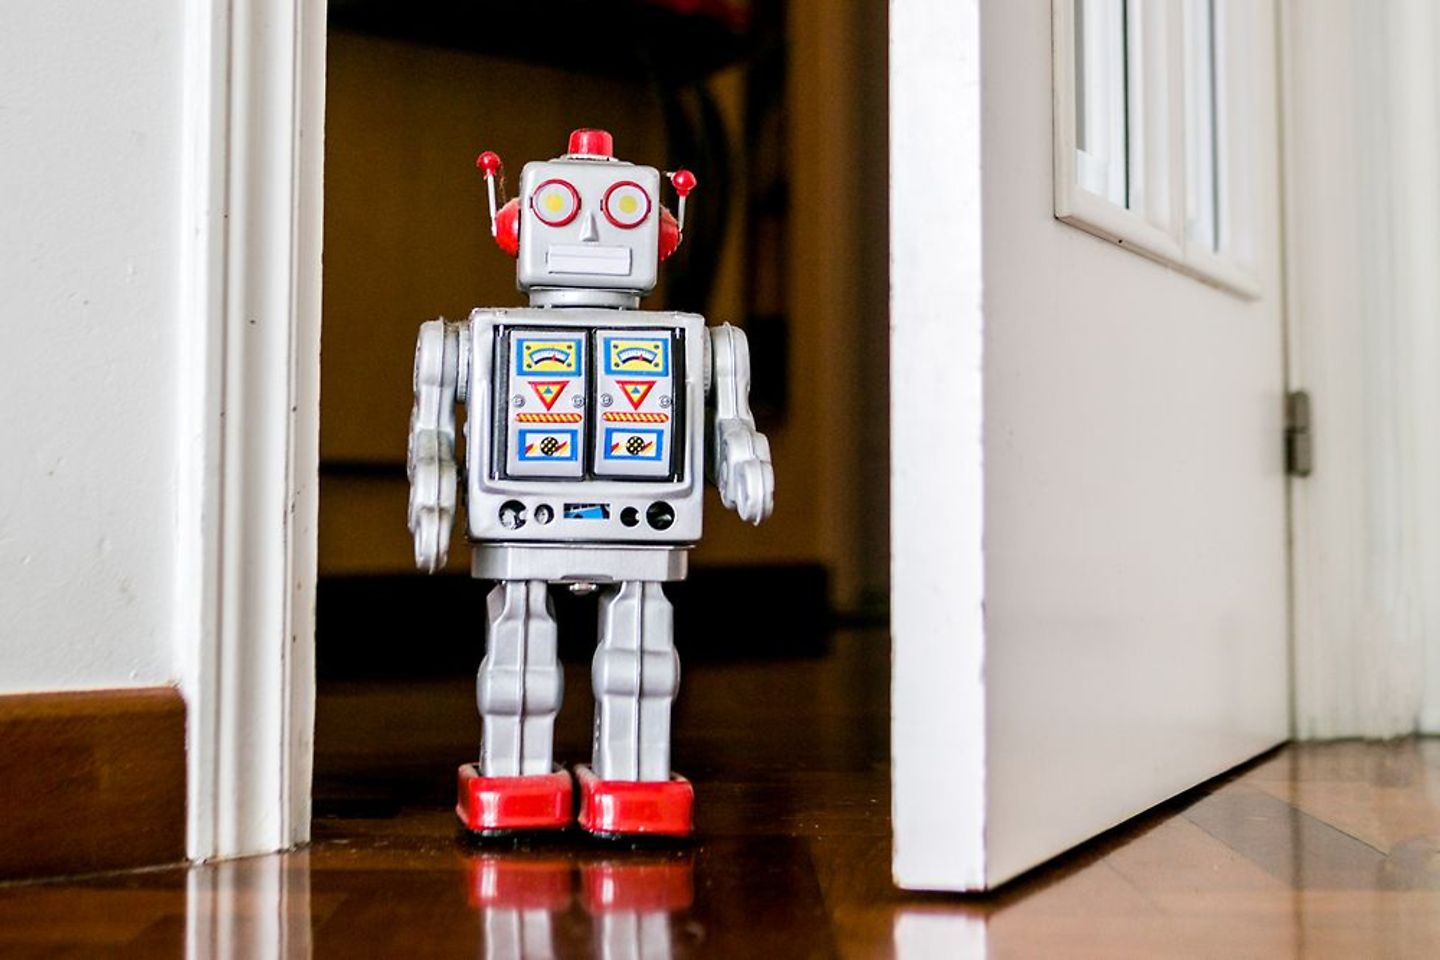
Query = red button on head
x=592 y=143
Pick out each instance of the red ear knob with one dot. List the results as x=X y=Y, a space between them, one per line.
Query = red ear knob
x=669 y=234
x=489 y=161
x=507 y=227
x=683 y=181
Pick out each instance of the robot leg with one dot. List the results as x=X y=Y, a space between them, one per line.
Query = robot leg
x=636 y=674
x=518 y=690
x=519 y=685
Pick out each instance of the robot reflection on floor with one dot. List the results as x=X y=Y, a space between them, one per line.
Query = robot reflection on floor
x=588 y=438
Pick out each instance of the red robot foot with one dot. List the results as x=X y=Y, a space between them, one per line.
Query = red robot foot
x=492 y=806
x=632 y=808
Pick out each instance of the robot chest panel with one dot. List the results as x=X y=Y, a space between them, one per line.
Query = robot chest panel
x=575 y=404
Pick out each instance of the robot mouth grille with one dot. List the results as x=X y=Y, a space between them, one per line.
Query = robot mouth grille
x=588 y=258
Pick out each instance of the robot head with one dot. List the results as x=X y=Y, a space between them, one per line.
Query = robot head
x=587 y=221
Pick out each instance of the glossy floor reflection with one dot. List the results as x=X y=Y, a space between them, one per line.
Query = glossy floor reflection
x=1321 y=851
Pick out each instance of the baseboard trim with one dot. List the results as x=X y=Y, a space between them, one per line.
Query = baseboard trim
x=90 y=781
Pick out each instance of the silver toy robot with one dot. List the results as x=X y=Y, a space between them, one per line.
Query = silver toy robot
x=590 y=426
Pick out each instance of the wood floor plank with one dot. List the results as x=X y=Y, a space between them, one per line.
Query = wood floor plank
x=1384 y=794
x=1177 y=857
x=1308 y=853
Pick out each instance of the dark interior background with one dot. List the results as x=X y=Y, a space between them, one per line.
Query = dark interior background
x=779 y=107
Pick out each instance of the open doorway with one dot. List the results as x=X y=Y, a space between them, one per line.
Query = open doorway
x=779 y=109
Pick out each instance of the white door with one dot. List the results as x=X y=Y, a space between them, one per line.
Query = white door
x=1088 y=473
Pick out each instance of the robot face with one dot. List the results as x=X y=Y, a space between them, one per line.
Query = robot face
x=592 y=224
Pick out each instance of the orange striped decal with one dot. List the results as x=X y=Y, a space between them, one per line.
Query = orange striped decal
x=622 y=417
x=549 y=417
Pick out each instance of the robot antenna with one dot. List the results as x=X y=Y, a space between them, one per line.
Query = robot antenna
x=490 y=164
x=683 y=181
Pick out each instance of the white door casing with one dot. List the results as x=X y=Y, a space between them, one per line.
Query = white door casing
x=1088 y=487
x=249 y=418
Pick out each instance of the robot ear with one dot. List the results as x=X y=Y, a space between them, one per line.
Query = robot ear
x=507 y=228
x=669 y=234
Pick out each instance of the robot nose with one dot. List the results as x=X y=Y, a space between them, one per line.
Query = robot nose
x=589 y=231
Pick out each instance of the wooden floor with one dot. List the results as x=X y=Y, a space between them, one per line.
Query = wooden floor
x=1315 y=851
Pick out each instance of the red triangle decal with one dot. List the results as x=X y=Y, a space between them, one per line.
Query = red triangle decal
x=548 y=391
x=635 y=390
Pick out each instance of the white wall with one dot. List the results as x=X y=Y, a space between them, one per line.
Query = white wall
x=90 y=149
x=1363 y=234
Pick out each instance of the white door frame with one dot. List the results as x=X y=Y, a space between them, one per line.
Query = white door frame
x=247 y=494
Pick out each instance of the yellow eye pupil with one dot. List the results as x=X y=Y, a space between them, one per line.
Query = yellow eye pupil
x=628 y=204
x=554 y=202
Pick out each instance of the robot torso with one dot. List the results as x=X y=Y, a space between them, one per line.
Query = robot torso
x=586 y=426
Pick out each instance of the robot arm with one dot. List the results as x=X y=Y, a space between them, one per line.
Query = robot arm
x=739 y=455
x=441 y=380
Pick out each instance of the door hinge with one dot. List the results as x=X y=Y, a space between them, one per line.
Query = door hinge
x=1299 y=440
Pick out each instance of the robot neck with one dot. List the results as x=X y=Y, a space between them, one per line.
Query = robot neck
x=582 y=297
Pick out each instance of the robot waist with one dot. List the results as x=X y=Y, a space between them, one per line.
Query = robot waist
x=574 y=563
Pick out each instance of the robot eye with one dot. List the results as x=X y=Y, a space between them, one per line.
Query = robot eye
x=555 y=202
x=626 y=204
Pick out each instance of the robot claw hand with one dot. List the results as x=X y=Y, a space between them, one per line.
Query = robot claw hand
x=432 y=499
x=739 y=454
x=743 y=472
x=430 y=459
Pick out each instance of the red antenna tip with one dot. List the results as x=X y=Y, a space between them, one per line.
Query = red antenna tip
x=683 y=181
x=489 y=161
